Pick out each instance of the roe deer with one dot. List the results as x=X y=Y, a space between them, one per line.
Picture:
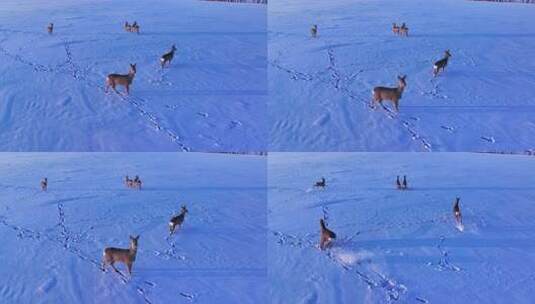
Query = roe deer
x=398 y=183
x=404 y=30
x=168 y=57
x=457 y=212
x=136 y=183
x=50 y=28
x=395 y=29
x=404 y=182
x=392 y=94
x=321 y=183
x=326 y=235
x=126 y=256
x=442 y=63
x=124 y=80
x=44 y=184
x=177 y=220
x=314 y=31
x=127 y=26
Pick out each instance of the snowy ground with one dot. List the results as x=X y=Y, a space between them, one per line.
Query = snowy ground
x=52 y=242
x=320 y=88
x=401 y=246
x=212 y=98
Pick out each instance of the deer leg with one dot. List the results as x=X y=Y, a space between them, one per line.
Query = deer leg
x=396 y=104
x=129 y=265
x=127 y=90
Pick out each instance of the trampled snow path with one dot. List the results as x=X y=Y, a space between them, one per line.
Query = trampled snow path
x=481 y=102
x=397 y=246
x=53 y=240
x=65 y=98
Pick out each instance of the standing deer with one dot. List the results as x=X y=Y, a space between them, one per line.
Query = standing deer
x=392 y=94
x=168 y=57
x=404 y=30
x=177 y=220
x=442 y=63
x=126 y=256
x=137 y=183
x=404 y=182
x=398 y=183
x=321 y=183
x=314 y=31
x=50 y=28
x=457 y=212
x=127 y=26
x=44 y=184
x=135 y=27
x=124 y=80
x=395 y=29
x=326 y=235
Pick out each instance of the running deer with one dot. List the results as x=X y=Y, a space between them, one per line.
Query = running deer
x=395 y=29
x=177 y=220
x=44 y=184
x=168 y=57
x=457 y=212
x=321 y=183
x=326 y=235
x=442 y=63
x=392 y=94
x=118 y=79
x=50 y=28
x=314 y=31
x=126 y=256
x=404 y=30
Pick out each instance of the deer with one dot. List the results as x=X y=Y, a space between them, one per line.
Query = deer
x=442 y=63
x=395 y=29
x=127 y=26
x=44 y=184
x=137 y=182
x=398 y=183
x=326 y=235
x=392 y=94
x=457 y=212
x=111 y=255
x=314 y=31
x=321 y=183
x=404 y=30
x=135 y=27
x=124 y=80
x=50 y=28
x=404 y=185
x=177 y=220
x=168 y=57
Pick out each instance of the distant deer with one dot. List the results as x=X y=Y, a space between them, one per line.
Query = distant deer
x=126 y=256
x=404 y=185
x=457 y=212
x=128 y=182
x=168 y=57
x=50 y=28
x=395 y=29
x=321 y=183
x=44 y=184
x=404 y=30
x=127 y=26
x=326 y=235
x=177 y=220
x=314 y=31
x=118 y=79
x=398 y=183
x=442 y=63
x=392 y=94
x=135 y=27
x=137 y=182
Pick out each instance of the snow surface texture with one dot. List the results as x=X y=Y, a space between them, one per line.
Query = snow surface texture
x=320 y=89
x=397 y=246
x=52 y=241
x=211 y=98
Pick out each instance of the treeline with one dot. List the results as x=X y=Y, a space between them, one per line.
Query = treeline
x=517 y=1
x=242 y=1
